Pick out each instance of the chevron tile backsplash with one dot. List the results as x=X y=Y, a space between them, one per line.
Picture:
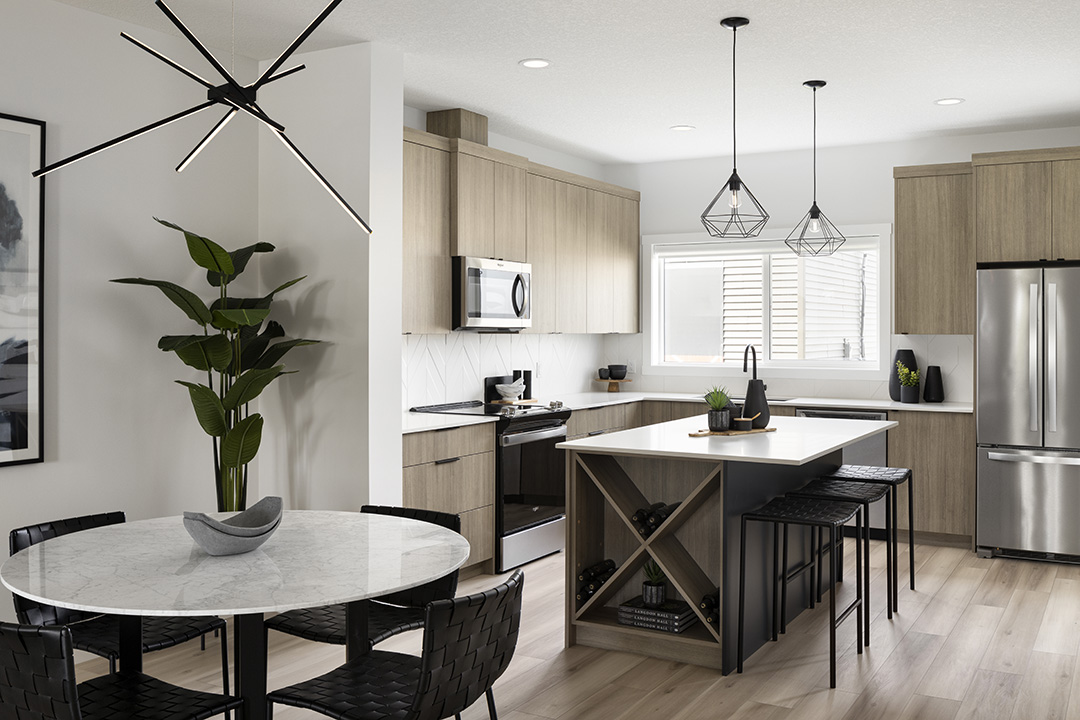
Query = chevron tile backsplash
x=452 y=367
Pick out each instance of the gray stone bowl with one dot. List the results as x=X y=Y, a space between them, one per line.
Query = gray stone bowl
x=240 y=533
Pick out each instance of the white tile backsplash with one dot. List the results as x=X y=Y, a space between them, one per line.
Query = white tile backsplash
x=452 y=367
x=955 y=354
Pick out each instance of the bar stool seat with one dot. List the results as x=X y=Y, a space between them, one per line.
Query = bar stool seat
x=815 y=513
x=865 y=494
x=893 y=477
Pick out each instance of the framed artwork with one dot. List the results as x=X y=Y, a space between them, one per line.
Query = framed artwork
x=22 y=245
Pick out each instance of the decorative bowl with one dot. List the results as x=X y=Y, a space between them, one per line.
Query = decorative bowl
x=618 y=372
x=240 y=533
x=511 y=391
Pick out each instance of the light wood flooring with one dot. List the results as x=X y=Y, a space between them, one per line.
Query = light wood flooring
x=978 y=639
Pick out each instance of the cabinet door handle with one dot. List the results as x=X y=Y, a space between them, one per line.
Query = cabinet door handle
x=597 y=432
x=447 y=461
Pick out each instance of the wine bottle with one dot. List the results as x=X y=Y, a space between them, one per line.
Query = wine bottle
x=641 y=515
x=710 y=601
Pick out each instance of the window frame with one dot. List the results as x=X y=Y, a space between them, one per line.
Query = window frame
x=779 y=369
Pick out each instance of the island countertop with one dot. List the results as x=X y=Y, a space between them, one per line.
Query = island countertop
x=796 y=441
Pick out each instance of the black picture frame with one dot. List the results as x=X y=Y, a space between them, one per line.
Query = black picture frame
x=22 y=290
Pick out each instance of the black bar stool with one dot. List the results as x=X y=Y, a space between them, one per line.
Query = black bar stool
x=864 y=494
x=893 y=477
x=814 y=513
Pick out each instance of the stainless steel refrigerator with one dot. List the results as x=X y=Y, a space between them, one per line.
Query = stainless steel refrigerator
x=1028 y=411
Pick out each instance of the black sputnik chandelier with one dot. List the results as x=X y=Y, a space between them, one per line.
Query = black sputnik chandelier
x=232 y=95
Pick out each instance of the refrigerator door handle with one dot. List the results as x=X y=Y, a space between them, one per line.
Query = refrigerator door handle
x=1033 y=357
x=1051 y=357
x=1037 y=459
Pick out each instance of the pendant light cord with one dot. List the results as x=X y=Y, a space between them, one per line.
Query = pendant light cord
x=815 y=146
x=734 y=126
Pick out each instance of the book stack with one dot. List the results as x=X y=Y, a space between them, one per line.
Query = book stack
x=674 y=616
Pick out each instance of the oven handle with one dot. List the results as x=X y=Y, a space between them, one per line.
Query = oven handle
x=532 y=436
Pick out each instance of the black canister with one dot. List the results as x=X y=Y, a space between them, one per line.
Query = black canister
x=934 y=390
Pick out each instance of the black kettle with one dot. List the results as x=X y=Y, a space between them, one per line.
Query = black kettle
x=755 y=401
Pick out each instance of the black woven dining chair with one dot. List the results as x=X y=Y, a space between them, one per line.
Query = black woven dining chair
x=468 y=644
x=37 y=682
x=100 y=634
x=388 y=615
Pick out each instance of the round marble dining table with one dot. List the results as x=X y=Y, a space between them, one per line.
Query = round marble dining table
x=153 y=567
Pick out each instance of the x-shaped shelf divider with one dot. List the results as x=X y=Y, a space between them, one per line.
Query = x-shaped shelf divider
x=619 y=490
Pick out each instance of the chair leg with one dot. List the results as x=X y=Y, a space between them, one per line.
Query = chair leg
x=860 y=597
x=742 y=591
x=783 y=567
x=895 y=543
x=840 y=563
x=832 y=608
x=911 y=527
x=112 y=665
x=821 y=561
x=813 y=565
x=492 y=715
x=890 y=569
x=866 y=560
x=224 y=665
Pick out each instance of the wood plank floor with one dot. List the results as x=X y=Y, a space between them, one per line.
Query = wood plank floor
x=978 y=639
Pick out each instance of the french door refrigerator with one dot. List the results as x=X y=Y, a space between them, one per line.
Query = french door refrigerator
x=1028 y=412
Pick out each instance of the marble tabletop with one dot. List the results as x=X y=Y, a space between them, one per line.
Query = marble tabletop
x=153 y=567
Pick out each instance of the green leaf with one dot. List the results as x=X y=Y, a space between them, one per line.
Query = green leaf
x=184 y=299
x=279 y=288
x=248 y=386
x=232 y=319
x=251 y=348
x=242 y=443
x=240 y=260
x=201 y=352
x=205 y=252
x=278 y=350
x=208 y=408
x=231 y=303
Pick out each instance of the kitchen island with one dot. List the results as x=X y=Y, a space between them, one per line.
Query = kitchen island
x=714 y=479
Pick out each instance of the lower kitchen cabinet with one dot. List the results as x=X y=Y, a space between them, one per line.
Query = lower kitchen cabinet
x=596 y=421
x=453 y=470
x=940 y=450
x=781 y=411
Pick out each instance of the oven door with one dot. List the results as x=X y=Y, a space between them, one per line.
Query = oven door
x=530 y=496
x=494 y=294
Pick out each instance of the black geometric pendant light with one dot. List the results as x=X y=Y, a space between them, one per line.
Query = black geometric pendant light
x=734 y=212
x=815 y=235
x=234 y=96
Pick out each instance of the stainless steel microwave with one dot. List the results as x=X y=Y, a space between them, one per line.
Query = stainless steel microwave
x=492 y=295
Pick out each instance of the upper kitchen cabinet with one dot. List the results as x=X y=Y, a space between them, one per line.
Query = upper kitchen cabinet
x=935 y=250
x=583 y=246
x=487 y=202
x=1025 y=205
x=425 y=286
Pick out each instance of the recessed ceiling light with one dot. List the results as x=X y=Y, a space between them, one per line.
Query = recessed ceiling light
x=534 y=63
x=682 y=128
x=949 y=101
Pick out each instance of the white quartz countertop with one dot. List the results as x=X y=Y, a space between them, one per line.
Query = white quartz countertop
x=422 y=422
x=581 y=401
x=153 y=567
x=796 y=441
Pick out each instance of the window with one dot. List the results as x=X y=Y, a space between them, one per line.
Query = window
x=711 y=299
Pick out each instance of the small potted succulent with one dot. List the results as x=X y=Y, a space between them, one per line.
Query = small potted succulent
x=719 y=416
x=654 y=589
x=909 y=383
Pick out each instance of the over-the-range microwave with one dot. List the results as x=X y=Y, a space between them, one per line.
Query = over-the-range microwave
x=491 y=295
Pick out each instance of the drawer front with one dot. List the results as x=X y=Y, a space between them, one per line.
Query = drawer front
x=583 y=422
x=478 y=527
x=455 y=487
x=426 y=447
x=680 y=410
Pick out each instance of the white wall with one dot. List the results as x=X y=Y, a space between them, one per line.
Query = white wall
x=119 y=434
x=329 y=438
x=855 y=187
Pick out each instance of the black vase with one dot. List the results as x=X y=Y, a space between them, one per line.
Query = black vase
x=908 y=358
x=934 y=391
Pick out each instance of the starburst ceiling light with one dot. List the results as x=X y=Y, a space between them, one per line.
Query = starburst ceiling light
x=815 y=235
x=234 y=96
x=734 y=212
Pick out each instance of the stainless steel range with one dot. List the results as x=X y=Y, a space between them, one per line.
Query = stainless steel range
x=530 y=477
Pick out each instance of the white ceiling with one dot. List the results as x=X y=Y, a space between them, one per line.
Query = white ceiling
x=625 y=70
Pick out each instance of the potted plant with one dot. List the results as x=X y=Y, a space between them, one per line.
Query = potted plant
x=235 y=348
x=909 y=383
x=654 y=589
x=719 y=416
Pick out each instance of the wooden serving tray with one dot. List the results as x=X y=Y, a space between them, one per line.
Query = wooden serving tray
x=705 y=433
